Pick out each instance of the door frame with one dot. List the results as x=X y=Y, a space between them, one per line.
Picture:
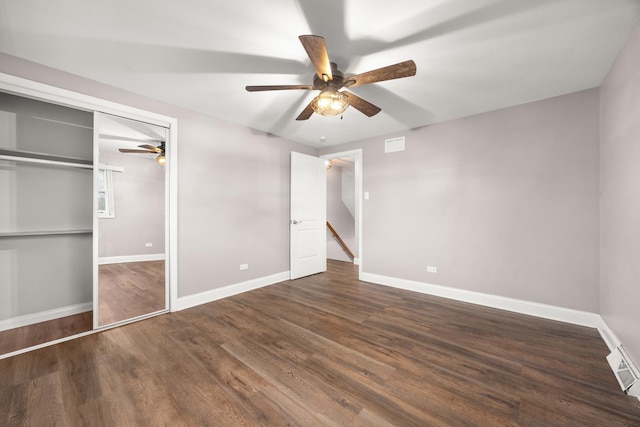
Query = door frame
x=357 y=156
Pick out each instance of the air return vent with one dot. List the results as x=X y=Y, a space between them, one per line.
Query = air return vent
x=394 y=144
x=626 y=372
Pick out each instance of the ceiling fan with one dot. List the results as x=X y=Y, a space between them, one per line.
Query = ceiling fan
x=329 y=80
x=149 y=149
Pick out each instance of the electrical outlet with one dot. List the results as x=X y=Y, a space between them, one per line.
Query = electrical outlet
x=148 y=245
x=244 y=266
x=432 y=269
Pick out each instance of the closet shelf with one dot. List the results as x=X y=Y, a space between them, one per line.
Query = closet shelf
x=44 y=233
x=47 y=159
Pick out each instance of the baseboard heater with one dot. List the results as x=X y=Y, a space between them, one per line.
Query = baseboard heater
x=626 y=372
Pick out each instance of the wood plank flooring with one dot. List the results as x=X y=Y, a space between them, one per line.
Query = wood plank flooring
x=43 y=332
x=127 y=290
x=326 y=350
x=131 y=289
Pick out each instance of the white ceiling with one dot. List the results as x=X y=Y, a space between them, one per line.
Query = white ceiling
x=117 y=132
x=472 y=56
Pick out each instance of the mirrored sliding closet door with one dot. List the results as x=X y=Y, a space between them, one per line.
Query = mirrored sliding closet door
x=86 y=214
x=131 y=190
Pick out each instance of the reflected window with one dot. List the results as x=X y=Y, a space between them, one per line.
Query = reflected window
x=105 y=194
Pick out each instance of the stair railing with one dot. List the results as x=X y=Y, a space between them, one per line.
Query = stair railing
x=341 y=242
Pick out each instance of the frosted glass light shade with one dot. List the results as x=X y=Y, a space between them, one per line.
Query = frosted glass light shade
x=330 y=103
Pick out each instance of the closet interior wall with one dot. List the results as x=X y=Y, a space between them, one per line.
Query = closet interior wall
x=46 y=214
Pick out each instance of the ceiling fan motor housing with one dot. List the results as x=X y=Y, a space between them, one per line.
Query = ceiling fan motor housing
x=337 y=82
x=331 y=101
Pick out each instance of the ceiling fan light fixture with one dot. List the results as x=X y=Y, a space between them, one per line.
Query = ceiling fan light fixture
x=161 y=159
x=330 y=103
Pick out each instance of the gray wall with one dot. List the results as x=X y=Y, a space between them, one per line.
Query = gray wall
x=38 y=274
x=233 y=187
x=620 y=203
x=139 y=207
x=233 y=203
x=339 y=217
x=503 y=203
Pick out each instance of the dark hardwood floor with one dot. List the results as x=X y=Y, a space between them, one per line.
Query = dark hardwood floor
x=43 y=332
x=321 y=351
x=128 y=290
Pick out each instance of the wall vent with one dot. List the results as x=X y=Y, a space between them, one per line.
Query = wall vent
x=394 y=144
x=625 y=371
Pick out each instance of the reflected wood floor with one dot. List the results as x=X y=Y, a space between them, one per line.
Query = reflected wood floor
x=322 y=351
x=129 y=290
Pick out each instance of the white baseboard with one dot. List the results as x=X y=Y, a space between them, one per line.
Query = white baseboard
x=611 y=339
x=608 y=336
x=130 y=258
x=356 y=261
x=567 y=315
x=230 y=290
x=43 y=316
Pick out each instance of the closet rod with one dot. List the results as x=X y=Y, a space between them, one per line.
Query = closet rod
x=45 y=161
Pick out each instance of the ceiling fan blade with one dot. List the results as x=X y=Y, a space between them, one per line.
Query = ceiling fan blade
x=151 y=147
x=277 y=87
x=317 y=51
x=306 y=113
x=127 y=150
x=396 y=71
x=365 y=107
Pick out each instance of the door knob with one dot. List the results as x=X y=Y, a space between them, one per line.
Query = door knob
x=293 y=221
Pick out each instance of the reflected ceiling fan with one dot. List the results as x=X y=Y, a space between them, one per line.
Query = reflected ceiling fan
x=329 y=80
x=148 y=149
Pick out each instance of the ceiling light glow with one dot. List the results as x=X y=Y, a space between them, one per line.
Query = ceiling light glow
x=330 y=103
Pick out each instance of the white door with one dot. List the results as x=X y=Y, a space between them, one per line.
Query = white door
x=308 y=246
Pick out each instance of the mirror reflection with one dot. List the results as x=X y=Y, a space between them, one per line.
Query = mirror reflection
x=130 y=182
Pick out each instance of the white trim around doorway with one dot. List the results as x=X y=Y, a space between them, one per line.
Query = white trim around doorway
x=357 y=156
